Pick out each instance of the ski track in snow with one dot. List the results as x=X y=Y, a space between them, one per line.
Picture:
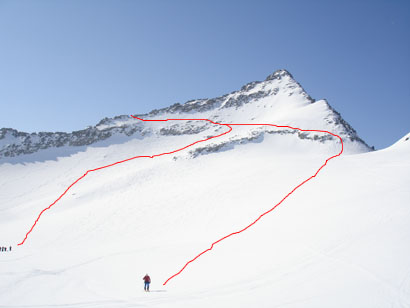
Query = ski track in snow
x=229 y=126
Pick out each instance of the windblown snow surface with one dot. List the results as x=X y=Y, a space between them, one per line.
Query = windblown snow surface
x=340 y=240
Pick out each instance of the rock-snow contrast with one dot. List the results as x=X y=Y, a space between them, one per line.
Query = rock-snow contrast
x=277 y=100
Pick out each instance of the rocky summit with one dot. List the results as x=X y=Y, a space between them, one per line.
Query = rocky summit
x=279 y=99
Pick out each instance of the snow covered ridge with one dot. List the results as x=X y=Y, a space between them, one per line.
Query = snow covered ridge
x=279 y=99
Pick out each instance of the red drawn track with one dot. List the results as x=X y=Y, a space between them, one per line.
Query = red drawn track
x=229 y=126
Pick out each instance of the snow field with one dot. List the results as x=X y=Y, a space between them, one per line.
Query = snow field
x=339 y=241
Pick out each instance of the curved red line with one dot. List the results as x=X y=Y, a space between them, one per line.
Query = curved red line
x=122 y=161
x=183 y=148
x=277 y=204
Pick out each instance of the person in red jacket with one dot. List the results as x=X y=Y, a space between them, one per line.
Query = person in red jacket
x=147 y=281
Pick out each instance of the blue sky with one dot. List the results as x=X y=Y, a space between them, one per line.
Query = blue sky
x=67 y=64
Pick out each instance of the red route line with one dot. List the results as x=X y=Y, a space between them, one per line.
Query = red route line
x=196 y=142
x=277 y=204
x=125 y=160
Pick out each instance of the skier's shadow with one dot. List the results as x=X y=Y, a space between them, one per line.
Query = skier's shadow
x=158 y=290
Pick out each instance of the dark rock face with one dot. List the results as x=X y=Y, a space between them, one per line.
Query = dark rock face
x=25 y=143
x=184 y=129
x=256 y=137
x=14 y=143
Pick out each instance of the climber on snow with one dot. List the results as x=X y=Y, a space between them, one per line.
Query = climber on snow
x=147 y=281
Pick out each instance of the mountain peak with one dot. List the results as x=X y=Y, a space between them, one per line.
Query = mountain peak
x=279 y=74
x=278 y=99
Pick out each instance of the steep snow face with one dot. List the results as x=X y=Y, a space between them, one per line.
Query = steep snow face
x=277 y=100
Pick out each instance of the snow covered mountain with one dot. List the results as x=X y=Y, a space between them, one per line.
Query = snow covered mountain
x=340 y=240
x=279 y=98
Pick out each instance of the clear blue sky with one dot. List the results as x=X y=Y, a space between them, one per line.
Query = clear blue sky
x=67 y=64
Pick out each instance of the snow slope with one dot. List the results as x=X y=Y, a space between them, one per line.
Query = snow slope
x=341 y=240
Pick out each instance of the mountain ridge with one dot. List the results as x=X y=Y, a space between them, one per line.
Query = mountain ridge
x=278 y=84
